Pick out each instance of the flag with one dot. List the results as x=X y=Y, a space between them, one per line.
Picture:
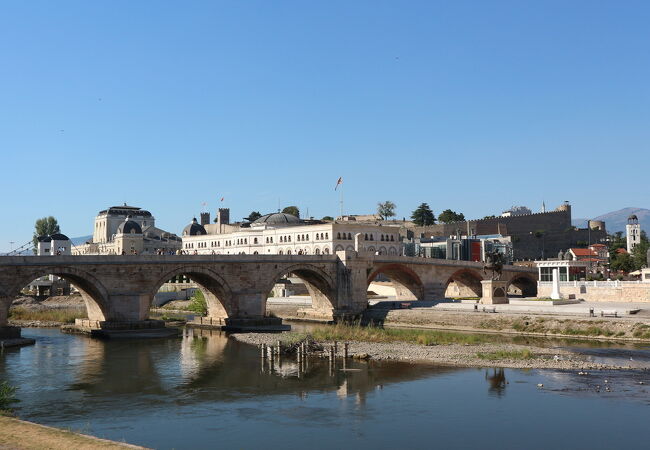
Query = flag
x=222 y=198
x=340 y=181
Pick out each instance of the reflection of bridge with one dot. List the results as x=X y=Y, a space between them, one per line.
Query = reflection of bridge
x=118 y=289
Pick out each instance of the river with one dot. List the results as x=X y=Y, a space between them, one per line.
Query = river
x=204 y=391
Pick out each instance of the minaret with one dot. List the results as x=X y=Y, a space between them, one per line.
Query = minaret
x=543 y=206
x=633 y=232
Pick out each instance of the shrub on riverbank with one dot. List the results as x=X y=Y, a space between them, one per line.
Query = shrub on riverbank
x=7 y=397
x=63 y=315
x=341 y=332
x=198 y=304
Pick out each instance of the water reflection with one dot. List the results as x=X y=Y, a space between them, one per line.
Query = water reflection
x=205 y=388
x=497 y=381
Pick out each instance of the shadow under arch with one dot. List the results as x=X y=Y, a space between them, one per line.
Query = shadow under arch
x=319 y=284
x=522 y=285
x=407 y=283
x=92 y=290
x=216 y=291
x=464 y=283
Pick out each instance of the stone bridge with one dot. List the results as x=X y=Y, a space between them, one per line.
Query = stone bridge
x=120 y=289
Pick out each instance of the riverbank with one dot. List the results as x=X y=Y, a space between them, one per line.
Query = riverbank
x=429 y=346
x=631 y=328
x=18 y=435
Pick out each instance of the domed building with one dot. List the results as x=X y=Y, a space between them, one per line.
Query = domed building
x=127 y=230
x=194 y=229
x=285 y=234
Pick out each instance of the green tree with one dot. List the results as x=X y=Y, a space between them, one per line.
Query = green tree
x=386 y=209
x=253 y=216
x=490 y=217
x=449 y=216
x=293 y=210
x=423 y=216
x=621 y=262
x=330 y=218
x=43 y=227
x=640 y=252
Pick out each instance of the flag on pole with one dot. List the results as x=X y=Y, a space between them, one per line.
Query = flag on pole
x=222 y=198
x=340 y=181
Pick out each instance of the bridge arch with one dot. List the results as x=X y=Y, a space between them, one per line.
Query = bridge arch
x=92 y=290
x=319 y=284
x=464 y=283
x=217 y=293
x=522 y=285
x=407 y=283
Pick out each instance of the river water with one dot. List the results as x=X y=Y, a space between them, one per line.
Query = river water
x=205 y=390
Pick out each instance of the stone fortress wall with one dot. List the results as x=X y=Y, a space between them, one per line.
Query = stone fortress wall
x=559 y=234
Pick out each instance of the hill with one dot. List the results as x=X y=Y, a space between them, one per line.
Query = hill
x=616 y=220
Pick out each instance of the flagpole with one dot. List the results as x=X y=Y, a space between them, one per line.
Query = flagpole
x=341 y=200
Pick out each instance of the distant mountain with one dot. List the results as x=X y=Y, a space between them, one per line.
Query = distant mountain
x=81 y=239
x=616 y=220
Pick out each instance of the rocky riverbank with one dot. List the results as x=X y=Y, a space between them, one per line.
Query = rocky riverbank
x=492 y=354
x=631 y=328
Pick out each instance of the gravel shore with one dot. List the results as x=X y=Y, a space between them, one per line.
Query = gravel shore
x=453 y=354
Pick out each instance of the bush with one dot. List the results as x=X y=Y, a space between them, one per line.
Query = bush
x=198 y=304
x=6 y=397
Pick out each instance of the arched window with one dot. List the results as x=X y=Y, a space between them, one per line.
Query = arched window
x=279 y=252
x=349 y=235
x=366 y=237
x=288 y=252
x=255 y=253
x=392 y=237
x=317 y=237
x=382 y=237
x=327 y=235
x=317 y=251
x=326 y=251
x=338 y=235
x=372 y=237
x=255 y=241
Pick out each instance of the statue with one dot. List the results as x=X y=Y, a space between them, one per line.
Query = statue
x=493 y=262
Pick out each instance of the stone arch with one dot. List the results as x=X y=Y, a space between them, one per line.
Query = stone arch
x=407 y=284
x=92 y=290
x=215 y=289
x=464 y=283
x=522 y=285
x=319 y=284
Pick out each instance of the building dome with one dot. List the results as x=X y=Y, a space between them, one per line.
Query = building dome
x=194 y=229
x=44 y=238
x=129 y=227
x=278 y=219
x=59 y=237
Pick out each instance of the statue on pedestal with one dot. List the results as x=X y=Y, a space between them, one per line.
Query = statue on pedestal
x=493 y=262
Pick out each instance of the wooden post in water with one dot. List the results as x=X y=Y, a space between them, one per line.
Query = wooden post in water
x=346 y=348
x=336 y=348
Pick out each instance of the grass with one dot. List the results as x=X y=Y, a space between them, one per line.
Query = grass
x=343 y=332
x=504 y=354
x=64 y=315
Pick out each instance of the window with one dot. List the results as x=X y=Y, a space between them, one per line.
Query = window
x=255 y=242
x=350 y=236
x=338 y=235
x=327 y=235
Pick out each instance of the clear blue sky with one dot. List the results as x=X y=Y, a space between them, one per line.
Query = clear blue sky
x=474 y=106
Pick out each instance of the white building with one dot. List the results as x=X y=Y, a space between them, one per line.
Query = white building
x=126 y=230
x=284 y=234
x=55 y=244
x=633 y=232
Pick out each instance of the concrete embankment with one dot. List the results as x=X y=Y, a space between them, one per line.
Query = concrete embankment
x=18 y=434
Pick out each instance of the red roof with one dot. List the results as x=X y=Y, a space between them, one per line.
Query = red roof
x=598 y=245
x=621 y=250
x=583 y=252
